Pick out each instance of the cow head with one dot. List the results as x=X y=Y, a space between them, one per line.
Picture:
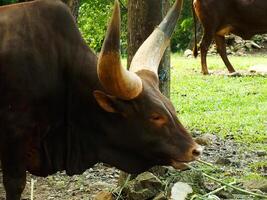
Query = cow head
x=150 y=132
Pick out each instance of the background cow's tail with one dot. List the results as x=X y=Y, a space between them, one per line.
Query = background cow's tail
x=195 y=49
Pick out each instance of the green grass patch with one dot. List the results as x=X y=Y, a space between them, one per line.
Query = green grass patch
x=217 y=104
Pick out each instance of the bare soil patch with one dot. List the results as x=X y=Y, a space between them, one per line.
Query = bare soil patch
x=234 y=159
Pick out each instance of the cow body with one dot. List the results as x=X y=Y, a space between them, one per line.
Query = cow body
x=42 y=93
x=57 y=114
x=244 y=18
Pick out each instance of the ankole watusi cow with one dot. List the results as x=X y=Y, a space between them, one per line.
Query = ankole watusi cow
x=62 y=108
x=244 y=18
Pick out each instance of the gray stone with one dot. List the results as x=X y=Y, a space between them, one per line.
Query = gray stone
x=256 y=184
x=206 y=139
x=225 y=194
x=213 y=197
x=144 y=186
x=161 y=196
x=223 y=161
x=188 y=53
x=261 y=153
x=258 y=69
x=235 y=74
x=104 y=195
x=159 y=170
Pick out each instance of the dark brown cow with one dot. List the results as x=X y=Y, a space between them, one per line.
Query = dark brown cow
x=244 y=18
x=62 y=108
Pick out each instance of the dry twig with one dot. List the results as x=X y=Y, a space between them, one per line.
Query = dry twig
x=226 y=184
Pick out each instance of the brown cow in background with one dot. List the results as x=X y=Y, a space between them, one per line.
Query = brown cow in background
x=244 y=18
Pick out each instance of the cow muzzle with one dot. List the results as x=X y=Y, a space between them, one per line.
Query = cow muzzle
x=193 y=154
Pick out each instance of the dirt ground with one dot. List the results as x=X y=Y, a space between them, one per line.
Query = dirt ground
x=62 y=187
x=226 y=153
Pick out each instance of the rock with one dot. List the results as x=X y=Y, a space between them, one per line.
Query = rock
x=229 y=51
x=180 y=191
x=248 y=45
x=161 y=196
x=255 y=45
x=238 y=40
x=256 y=184
x=261 y=153
x=223 y=161
x=159 y=170
x=234 y=74
x=188 y=53
x=259 y=69
x=104 y=195
x=206 y=139
x=144 y=186
x=213 y=197
x=225 y=194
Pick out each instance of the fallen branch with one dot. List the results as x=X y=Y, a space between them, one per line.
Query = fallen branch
x=228 y=185
x=218 y=189
x=205 y=163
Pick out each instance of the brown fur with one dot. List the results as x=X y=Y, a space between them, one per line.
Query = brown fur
x=50 y=119
x=244 y=18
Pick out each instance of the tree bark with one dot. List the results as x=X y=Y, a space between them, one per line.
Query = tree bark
x=74 y=6
x=143 y=17
x=191 y=44
x=164 y=68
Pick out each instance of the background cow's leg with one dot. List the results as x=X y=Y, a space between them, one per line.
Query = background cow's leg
x=221 y=47
x=14 y=169
x=204 y=47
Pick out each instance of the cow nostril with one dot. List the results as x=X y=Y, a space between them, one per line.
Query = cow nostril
x=197 y=151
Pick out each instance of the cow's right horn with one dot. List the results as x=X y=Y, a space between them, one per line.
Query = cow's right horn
x=149 y=54
x=114 y=78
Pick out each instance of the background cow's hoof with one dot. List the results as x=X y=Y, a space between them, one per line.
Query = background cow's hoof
x=258 y=69
x=234 y=74
x=205 y=73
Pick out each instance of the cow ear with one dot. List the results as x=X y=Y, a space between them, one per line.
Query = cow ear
x=105 y=101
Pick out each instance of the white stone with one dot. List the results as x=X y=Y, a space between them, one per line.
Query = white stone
x=260 y=69
x=188 y=53
x=180 y=191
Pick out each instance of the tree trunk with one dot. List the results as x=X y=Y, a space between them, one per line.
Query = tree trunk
x=74 y=6
x=191 y=44
x=164 y=68
x=143 y=17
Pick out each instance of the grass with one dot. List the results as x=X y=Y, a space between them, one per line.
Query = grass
x=221 y=105
x=230 y=107
x=234 y=107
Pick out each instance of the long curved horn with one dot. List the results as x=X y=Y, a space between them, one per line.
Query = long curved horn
x=114 y=78
x=149 y=54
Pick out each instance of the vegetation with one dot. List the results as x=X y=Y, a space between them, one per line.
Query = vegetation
x=93 y=20
x=4 y=2
x=233 y=108
x=94 y=15
x=222 y=105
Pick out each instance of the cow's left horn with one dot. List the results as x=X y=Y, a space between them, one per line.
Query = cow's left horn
x=149 y=54
x=114 y=78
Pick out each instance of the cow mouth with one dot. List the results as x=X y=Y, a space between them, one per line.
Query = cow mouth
x=180 y=165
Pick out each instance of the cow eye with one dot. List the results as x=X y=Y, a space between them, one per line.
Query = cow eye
x=158 y=119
